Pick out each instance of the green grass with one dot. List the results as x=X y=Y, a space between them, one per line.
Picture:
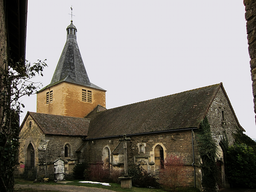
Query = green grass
x=113 y=187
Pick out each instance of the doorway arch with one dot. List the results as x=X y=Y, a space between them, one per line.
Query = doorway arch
x=159 y=156
x=30 y=163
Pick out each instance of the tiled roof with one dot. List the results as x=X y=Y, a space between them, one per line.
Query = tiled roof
x=61 y=125
x=70 y=67
x=178 y=111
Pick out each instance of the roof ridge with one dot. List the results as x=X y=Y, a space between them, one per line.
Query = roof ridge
x=59 y=115
x=217 y=84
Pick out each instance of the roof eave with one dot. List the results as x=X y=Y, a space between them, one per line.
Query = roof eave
x=62 y=81
x=146 y=133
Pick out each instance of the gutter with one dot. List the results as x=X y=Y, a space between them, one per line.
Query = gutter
x=140 y=134
x=193 y=153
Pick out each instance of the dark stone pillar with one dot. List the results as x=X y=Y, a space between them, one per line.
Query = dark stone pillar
x=250 y=16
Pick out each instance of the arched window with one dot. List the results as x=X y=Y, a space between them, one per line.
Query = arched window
x=30 y=163
x=159 y=157
x=67 y=150
x=106 y=158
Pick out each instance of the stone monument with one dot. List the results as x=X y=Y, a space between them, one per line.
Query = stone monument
x=59 y=169
x=126 y=181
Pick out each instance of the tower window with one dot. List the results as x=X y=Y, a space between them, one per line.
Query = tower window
x=89 y=93
x=49 y=97
x=86 y=95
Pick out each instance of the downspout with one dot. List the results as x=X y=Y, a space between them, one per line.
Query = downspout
x=193 y=152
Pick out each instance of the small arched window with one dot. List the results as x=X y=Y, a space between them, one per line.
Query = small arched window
x=67 y=150
x=223 y=116
x=142 y=148
x=30 y=124
x=106 y=158
x=159 y=156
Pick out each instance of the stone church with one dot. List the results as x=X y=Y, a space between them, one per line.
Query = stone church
x=72 y=124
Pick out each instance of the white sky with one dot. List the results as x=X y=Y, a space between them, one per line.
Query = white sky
x=143 y=49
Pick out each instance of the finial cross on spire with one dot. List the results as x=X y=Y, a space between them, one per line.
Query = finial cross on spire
x=71 y=8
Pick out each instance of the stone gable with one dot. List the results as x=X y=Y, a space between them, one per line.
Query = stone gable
x=222 y=118
x=30 y=133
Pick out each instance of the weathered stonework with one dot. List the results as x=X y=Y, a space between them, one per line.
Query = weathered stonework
x=47 y=148
x=222 y=119
x=177 y=143
x=30 y=134
x=141 y=148
x=250 y=16
x=3 y=36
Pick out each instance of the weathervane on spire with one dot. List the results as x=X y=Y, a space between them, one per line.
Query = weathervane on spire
x=71 y=8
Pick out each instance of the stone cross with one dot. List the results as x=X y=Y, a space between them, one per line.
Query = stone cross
x=125 y=139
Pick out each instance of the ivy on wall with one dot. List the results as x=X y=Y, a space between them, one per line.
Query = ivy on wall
x=207 y=151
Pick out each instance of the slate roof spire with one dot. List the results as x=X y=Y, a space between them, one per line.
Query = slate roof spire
x=70 y=67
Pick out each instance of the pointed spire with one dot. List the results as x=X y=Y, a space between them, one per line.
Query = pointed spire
x=70 y=67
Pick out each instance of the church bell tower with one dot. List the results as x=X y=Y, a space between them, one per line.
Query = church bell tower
x=70 y=92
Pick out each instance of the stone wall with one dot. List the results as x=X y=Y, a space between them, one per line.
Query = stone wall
x=222 y=119
x=3 y=35
x=250 y=15
x=223 y=125
x=141 y=151
x=54 y=150
x=142 y=148
x=56 y=147
x=47 y=149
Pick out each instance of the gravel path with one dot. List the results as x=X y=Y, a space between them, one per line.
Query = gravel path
x=66 y=188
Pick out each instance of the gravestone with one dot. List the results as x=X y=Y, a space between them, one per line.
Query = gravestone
x=59 y=169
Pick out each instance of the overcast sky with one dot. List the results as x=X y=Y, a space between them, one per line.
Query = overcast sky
x=143 y=49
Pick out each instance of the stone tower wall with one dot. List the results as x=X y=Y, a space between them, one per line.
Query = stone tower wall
x=67 y=100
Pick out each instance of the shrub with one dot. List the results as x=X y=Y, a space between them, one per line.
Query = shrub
x=174 y=173
x=241 y=161
x=29 y=174
x=97 y=173
x=79 y=171
x=114 y=176
x=141 y=178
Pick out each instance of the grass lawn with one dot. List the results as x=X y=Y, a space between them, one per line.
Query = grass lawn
x=113 y=187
